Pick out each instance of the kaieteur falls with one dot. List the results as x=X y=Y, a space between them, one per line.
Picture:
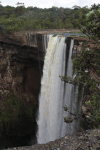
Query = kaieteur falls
x=55 y=93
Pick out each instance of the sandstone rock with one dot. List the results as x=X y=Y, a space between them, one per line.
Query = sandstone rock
x=20 y=68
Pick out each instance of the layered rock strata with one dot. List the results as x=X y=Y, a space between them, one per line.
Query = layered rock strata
x=21 y=66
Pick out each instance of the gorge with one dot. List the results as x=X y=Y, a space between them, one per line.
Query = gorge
x=21 y=70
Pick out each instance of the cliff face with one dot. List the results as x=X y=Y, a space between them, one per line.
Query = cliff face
x=24 y=38
x=21 y=63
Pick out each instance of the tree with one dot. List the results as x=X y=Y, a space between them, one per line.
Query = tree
x=20 y=9
x=51 y=18
x=92 y=23
x=76 y=7
x=0 y=3
x=86 y=62
x=20 y=4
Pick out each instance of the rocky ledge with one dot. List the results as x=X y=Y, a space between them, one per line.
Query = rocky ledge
x=86 y=140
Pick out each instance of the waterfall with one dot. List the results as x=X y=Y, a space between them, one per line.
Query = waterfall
x=55 y=94
x=71 y=99
x=45 y=41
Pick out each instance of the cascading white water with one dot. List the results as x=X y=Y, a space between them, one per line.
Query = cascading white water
x=52 y=97
x=45 y=41
x=71 y=100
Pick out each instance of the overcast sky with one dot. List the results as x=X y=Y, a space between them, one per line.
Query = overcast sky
x=50 y=3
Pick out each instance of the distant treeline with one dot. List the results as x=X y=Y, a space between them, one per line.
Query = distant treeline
x=21 y=18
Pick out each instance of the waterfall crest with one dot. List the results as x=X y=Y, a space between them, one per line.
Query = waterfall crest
x=54 y=95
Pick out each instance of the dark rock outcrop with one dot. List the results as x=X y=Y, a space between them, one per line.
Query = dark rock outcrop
x=21 y=66
x=86 y=140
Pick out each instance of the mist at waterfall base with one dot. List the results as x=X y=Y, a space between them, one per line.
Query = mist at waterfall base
x=55 y=94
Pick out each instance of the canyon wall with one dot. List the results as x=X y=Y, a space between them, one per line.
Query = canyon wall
x=21 y=63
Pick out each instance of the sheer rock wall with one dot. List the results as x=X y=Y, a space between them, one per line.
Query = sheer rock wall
x=21 y=63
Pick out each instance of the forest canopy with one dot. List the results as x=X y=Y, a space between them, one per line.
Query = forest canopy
x=21 y=18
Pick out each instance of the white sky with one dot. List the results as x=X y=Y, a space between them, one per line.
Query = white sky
x=50 y=3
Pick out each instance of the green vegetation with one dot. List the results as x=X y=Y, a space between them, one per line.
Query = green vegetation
x=21 y=18
x=16 y=115
x=73 y=35
x=82 y=36
x=87 y=62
